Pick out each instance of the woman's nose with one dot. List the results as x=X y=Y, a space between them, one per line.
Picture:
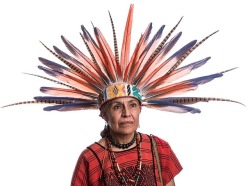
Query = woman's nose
x=125 y=111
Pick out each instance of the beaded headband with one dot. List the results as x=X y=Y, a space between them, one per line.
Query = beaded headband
x=119 y=90
x=149 y=74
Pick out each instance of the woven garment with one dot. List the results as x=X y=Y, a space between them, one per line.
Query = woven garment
x=88 y=167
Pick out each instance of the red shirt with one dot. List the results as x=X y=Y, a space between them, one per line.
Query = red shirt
x=94 y=166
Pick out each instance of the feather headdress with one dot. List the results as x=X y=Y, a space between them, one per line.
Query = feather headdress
x=149 y=75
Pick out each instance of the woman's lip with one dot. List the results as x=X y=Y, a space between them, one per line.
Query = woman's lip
x=126 y=122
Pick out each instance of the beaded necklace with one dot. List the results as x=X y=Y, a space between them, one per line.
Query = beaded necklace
x=115 y=166
x=121 y=146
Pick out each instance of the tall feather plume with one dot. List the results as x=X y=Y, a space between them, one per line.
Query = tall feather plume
x=146 y=55
x=95 y=53
x=126 y=40
x=134 y=63
x=118 y=66
x=109 y=58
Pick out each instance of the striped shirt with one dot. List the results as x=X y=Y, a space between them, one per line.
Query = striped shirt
x=93 y=167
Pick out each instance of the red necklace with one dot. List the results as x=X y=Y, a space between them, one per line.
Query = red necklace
x=115 y=166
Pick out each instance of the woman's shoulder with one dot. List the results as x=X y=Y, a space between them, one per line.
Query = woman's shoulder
x=149 y=136
x=93 y=149
x=159 y=141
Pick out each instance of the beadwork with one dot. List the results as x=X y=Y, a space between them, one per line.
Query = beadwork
x=121 y=146
x=115 y=166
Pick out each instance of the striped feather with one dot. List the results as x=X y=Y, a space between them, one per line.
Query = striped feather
x=68 y=93
x=79 y=68
x=95 y=53
x=171 y=107
x=90 y=67
x=193 y=100
x=72 y=107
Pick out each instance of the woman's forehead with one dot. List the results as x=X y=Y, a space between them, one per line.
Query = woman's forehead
x=123 y=100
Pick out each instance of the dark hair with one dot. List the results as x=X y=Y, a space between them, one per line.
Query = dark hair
x=105 y=131
x=103 y=112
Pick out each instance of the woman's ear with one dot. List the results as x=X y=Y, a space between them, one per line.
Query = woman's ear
x=104 y=116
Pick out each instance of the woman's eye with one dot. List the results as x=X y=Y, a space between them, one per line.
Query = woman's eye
x=133 y=105
x=117 y=107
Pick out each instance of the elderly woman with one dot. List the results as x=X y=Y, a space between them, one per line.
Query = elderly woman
x=119 y=86
x=124 y=156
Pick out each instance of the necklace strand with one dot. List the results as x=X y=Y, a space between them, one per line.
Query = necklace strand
x=115 y=166
x=121 y=146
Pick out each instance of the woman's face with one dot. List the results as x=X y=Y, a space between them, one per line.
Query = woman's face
x=122 y=115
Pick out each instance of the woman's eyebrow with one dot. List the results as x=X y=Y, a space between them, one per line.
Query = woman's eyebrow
x=122 y=102
x=116 y=102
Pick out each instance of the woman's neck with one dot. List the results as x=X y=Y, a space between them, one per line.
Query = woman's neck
x=122 y=138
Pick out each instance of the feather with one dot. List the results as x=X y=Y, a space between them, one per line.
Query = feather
x=66 y=59
x=52 y=80
x=171 y=107
x=72 y=63
x=158 y=81
x=183 y=71
x=72 y=107
x=81 y=70
x=65 y=103
x=60 y=100
x=109 y=59
x=95 y=52
x=166 y=65
x=78 y=84
x=193 y=100
x=21 y=103
x=68 y=72
x=68 y=92
x=162 y=49
x=178 y=104
x=126 y=40
x=117 y=64
x=133 y=65
x=154 y=68
x=90 y=67
x=181 y=87
x=146 y=54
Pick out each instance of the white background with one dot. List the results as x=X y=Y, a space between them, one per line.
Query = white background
x=41 y=148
